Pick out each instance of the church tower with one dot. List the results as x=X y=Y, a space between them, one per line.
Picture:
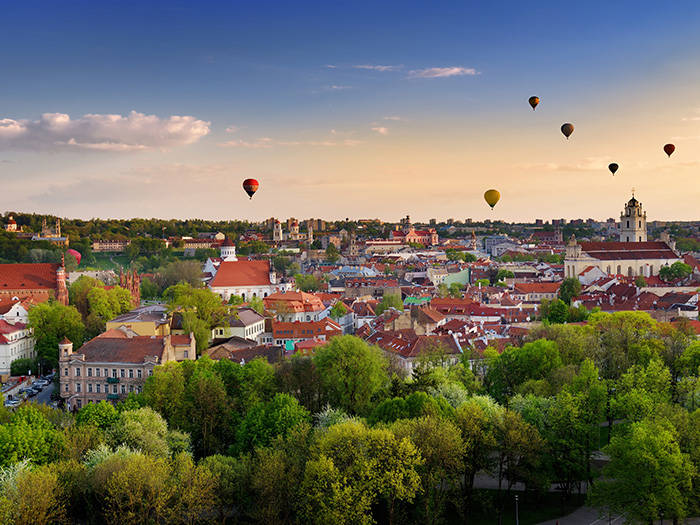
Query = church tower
x=277 y=234
x=228 y=250
x=633 y=222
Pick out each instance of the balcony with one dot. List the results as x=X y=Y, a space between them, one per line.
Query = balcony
x=112 y=396
x=113 y=380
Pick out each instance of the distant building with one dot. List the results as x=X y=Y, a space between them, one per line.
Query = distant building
x=408 y=234
x=246 y=324
x=16 y=342
x=37 y=281
x=52 y=235
x=114 y=364
x=110 y=246
x=296 y=306
x=152 y=320
x=288 y=334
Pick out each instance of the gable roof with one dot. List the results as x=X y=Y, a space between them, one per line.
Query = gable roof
x=29 y=276
x=122 y=350
x=242 y=273
x=615 y=251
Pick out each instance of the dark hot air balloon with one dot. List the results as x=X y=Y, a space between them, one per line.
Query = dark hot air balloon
x=534 y=101
x=250 y=186
x=492 y=197
x=75 y=254
x=613 y=167
x=669 y=148
x=567 y=129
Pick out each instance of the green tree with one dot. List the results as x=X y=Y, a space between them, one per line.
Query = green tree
x=558 y=312
x=389 y=301
x=352 y=372
x=570 y=288
x=143 y=429
x=307 y=282
x=678 y=270
x=22 y=367
x=332 y=253
x=149 y=289
x=29 y=435
x=648 y=476
x=102 y=415
x=267 y=420
x=338 y=310
x=51 y=322
x=640 y=282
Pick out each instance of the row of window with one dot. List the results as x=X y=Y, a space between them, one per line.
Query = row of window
x=97 y=388
x=122 y=372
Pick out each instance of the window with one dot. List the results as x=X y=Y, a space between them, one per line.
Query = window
x=79 y=402
x=114 y=372
x=66 y=389
x=89 y=372
x=186 y=355
x=106 y=372
x=122 y=373
x=65 y=372
x=123 y=388
x=98 y=388
x=77 y=387
x=114 y=389
x=97 y=372
x=150 y=372
x=90 y=388
x=77 y=372
x=131 y=388
x=131 y=373
x=138 y=373
x=628 y=224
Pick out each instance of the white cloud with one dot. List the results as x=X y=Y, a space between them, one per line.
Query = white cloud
x=266 y=142
x=338 y=87
x=330 y=66
x=381 y=130
x=232 y=129
x=377 y=67
x=393 y=118
x=443 y=72
x=587 y=164
x=100 y=132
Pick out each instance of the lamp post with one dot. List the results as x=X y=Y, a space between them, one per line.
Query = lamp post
x=517 y=517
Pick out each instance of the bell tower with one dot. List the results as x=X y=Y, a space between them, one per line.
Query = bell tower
x=633 y=222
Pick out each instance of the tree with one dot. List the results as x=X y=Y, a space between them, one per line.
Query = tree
x=557 y=312
x=307 y=283
x=504 y=274
x=648 y=476
x=143 y=429
x=678 y=270
x=338 y=310
x=31 y=496
x=102 y=415
x=441 y=446
x=28 y=435
x=640 y=281
x=267 y=420
x=51 y=322
x=351 y=371
x=389 y=301
x=149 y=289
x=332 y=253
x=21 y=367
x=352 y=467
x=257 y=304
x=201 y=310
x=570 y=288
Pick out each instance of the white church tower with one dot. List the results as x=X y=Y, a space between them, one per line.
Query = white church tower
x=228 y=250
x=633 y=222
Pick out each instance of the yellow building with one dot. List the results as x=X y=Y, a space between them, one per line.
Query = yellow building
x=147 y=320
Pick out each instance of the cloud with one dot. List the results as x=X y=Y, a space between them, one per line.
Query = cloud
x=100 y=132
x=232 y=129
x=587 y=164
x=330 y=66
x=338 y=87
x=381 y=68
x=393 y=118
x=381 y=130
x=443 y=72
x=266 y=142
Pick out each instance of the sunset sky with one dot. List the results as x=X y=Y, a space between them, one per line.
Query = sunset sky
x=349 y=109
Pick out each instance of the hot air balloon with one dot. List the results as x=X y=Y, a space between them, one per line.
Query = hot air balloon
x=613 y=167
x=669 y=148
x=533 y=100
x=250 y=186
x=75 y=254
x=492 y=197
x=567 y=129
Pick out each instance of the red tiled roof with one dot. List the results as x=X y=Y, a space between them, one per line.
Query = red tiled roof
x=610 y=251
x=242 y=273
x=7 y=328
x=536 y=287
x=122 y=350
x=305 y=330
x=29 y=276
x=295 y=301
x=180 y=340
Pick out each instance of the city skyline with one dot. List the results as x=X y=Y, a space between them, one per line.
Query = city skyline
x=361 y=111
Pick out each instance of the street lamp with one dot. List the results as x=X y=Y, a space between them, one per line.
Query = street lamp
x=517 y=517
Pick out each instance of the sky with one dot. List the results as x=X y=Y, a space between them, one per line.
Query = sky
x=349 y=109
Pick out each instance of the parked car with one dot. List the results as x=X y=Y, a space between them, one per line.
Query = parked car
x=12 y=403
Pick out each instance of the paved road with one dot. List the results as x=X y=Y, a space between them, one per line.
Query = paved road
x=44 y=397
x=589 y=516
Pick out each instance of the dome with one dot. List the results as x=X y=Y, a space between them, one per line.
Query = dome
x=228 y=242
x=633 y=202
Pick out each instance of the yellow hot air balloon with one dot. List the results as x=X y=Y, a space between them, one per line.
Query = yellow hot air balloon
x=492 y=197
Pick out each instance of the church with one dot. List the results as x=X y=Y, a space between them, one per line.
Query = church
x=631 y=256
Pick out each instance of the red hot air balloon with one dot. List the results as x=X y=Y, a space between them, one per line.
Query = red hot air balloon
x=669 y=148
x=250 y=186
x=75 y=254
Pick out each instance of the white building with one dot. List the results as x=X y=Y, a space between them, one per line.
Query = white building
x=16 y=342
x=247 y=324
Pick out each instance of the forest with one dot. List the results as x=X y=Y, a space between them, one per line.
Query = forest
x=343 y=437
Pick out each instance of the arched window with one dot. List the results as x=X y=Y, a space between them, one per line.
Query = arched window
x=619 y=269
x=628 y=224
x=641 y=270
x=607 y=270
x=630 y=272
x=651 y=270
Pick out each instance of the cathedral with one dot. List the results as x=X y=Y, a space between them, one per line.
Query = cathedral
x=631 y=256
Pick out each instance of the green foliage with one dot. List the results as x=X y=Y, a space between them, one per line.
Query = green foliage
x=482 y=282
x=51 y=322
x=678 y=270
x=570 y=288
x=102 y=415
x=352 y=372
x=21 y=367
x=648 y=476
x=267 y=420
x=640 y=281
x=29 y=435
x=308 y=282
x=389 y=301
x=149 y=289
x=339 y=310
x=201 y=310
x=332 y=253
